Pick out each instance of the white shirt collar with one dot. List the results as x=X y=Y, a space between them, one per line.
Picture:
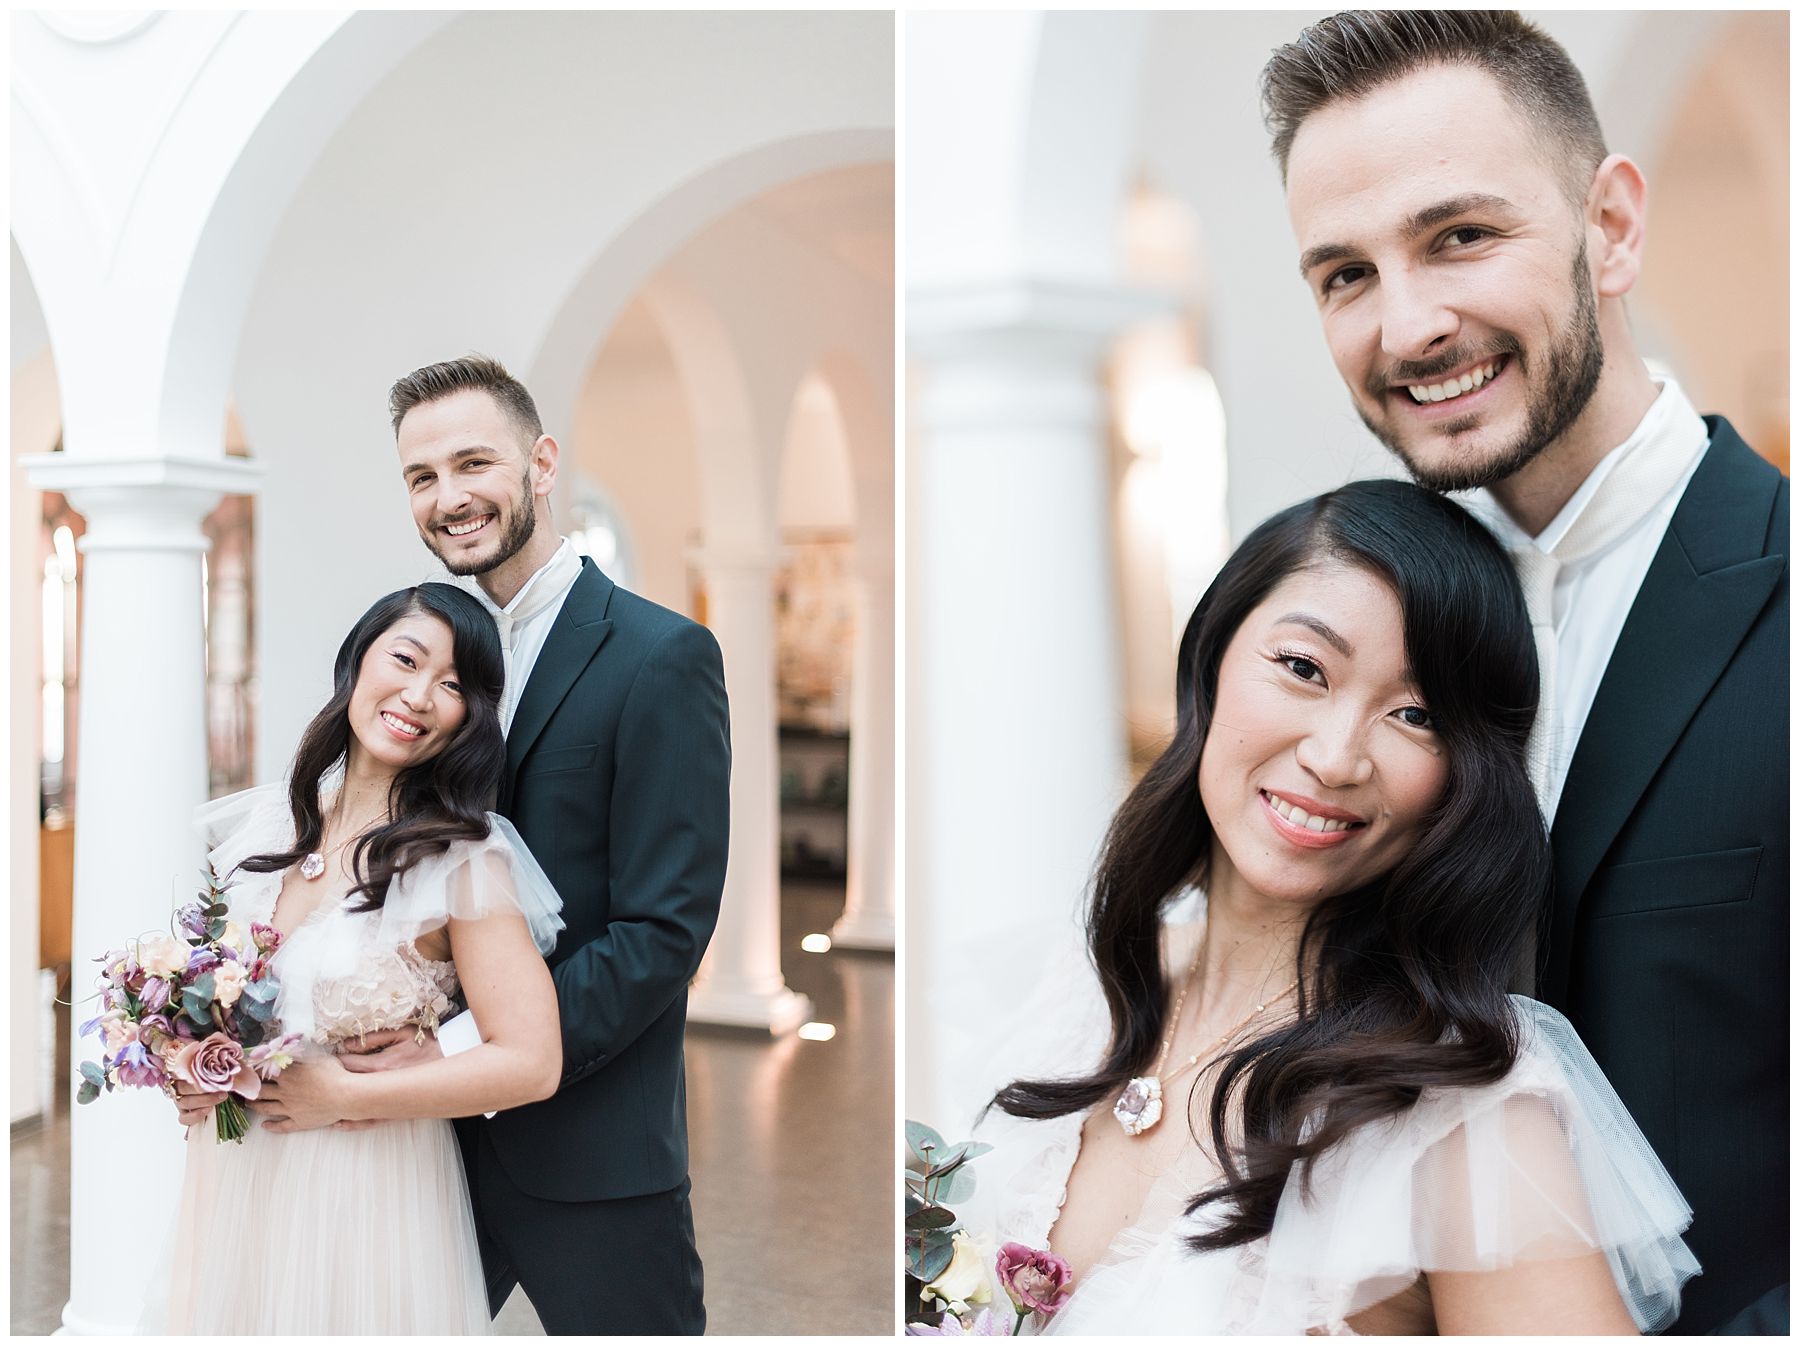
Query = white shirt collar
x=1670 y=412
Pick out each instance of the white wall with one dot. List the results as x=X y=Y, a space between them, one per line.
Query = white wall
x=455 y=210
x=632 y=434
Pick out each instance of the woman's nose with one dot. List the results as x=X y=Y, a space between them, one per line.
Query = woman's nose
x=1335 y=753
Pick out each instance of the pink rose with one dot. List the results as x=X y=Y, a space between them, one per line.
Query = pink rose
x=1036 y=1282
x=215 y=1065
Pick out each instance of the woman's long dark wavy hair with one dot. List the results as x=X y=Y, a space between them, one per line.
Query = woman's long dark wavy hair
x=1410 y=971
x=432 y=803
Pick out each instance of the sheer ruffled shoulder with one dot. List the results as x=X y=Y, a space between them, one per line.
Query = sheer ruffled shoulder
x=470 y=880
x=247 y=823
x=1544 y=1164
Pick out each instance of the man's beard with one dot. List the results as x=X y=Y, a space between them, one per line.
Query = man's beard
x=519 y=529
x=1571 y=373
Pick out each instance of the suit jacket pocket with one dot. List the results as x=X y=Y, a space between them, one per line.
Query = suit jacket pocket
x=1712 y=878
x=546 y=760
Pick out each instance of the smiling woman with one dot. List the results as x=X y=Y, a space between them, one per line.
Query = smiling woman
x=1347 y=787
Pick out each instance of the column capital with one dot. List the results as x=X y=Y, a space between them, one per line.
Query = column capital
x=1042 y=320
x=145 y=503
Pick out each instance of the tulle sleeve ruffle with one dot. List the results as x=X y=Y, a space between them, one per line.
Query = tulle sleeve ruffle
x=469 y=881
x=1544 y=1164
x=250 y=822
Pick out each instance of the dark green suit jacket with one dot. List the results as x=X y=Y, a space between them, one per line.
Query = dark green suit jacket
x=618 y=771
x=1668 y=931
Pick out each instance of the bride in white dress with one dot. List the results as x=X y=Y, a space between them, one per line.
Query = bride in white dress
x=399 y=892
x=1304 y=1102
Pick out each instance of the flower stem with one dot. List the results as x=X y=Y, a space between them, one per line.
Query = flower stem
x=1020 y=1320
x=232 y=1121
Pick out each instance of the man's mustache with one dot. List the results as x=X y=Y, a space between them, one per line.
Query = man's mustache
x=1430 y=371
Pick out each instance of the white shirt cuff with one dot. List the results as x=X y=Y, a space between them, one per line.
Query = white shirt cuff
x=459 y=1034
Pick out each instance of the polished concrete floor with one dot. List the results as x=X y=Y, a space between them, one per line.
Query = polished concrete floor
x=791 y=1158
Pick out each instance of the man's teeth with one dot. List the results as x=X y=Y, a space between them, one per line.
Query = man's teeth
x=459 y=529
x=1299 y=817
x=1443 y=392
x=410 y=729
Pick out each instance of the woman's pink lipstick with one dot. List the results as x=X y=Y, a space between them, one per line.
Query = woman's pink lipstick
x=1305 y=837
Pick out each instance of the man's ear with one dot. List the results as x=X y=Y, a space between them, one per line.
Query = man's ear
x=543 y=455
x=1616 y=207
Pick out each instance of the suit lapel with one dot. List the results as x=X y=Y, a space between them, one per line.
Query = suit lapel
x=576 y=635
x=1707 y=583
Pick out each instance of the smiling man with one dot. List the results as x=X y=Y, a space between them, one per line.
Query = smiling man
x=1470 y=244
x=618 y=765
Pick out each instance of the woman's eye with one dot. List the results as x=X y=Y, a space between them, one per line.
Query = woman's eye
x=403 y=658
x=454 y=687
x=1417 y=716
x=1304 y=669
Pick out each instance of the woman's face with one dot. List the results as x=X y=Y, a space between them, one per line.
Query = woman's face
x=407 y=701
x=1321 y=762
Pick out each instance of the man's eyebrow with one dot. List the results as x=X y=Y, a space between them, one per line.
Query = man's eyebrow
x=1319 y=627
x=1469 y=203
x=458 y=456
x=1427 y=217
x=1325 y=252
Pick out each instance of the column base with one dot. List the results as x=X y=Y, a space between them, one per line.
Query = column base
x=864 y=930
x=780 y=1011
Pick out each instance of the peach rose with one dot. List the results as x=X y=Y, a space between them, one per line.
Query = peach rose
x=163 y=956
x=228 y=983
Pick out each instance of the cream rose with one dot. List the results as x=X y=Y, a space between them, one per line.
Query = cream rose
x=235 y=936
x=965 y=1280
x=162 y=956
x=228 y=983
x=119 y=1035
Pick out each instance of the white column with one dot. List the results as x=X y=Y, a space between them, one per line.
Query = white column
x=142 y=771
x=1016 y=740
x=868 y=919
x=740 y=982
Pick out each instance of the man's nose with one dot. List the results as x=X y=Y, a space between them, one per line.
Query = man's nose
x=451 y=496
x=1415 y=319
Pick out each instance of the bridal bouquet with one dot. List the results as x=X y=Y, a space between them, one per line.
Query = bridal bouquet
x=201 y=1011
x=950 y=1289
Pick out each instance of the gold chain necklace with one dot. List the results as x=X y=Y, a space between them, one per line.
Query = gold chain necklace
x=1139 y=1107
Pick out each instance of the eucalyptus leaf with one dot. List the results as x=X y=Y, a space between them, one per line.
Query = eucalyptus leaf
x=914 y=1201
x=218 y=909
x=931 y=1217
x=91 y=1072
x=957 y=1187
x=930 y=1259
x=88 y=1092
x=924 y=1143
x=204 y=986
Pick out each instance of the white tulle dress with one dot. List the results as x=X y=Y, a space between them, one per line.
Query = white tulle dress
x=1545 y=1163
x=328 y=1231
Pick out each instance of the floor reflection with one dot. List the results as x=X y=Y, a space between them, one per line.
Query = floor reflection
x=791 y=1151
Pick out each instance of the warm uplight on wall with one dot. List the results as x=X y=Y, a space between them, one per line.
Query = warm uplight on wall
x=816 y=944
x=816 y=1032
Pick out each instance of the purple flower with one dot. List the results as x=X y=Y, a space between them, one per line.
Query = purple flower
x=202 y=960
x=985 y=1323
x=160 y=1022
x=192 y=918
x=1035 y=1281
x=155 y=995
x=139 y=1068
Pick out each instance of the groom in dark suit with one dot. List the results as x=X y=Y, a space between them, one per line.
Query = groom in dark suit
x=1470 y=243
x=617 y=776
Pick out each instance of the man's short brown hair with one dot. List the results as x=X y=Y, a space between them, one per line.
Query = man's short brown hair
x=433 y=382
x=1353 y=53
